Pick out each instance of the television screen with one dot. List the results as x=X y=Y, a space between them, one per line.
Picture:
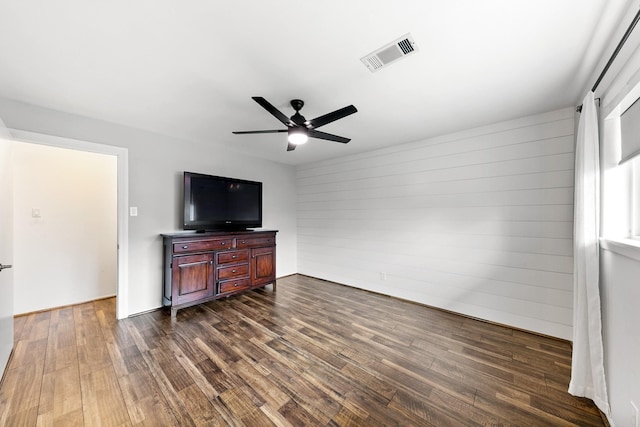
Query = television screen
x=219 y=203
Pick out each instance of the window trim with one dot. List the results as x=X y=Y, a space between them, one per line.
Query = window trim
x=634 y=199
x=626 y=247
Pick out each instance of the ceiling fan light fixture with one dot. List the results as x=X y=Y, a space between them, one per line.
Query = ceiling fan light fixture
x=298 y=136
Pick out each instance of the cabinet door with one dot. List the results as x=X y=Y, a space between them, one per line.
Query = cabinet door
x=263 y=265
x=192 y=278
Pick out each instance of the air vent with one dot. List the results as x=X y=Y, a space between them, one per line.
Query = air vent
x=384 y=56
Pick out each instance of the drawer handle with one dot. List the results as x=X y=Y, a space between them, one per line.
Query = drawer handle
x=185 y=247
x=235 y=285
x=234 y=256
x=223 y=243
x=234 y=271
x=243 y=242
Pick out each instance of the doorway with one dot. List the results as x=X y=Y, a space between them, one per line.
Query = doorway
x=121 y=155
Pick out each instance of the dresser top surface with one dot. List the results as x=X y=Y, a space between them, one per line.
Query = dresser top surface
x=194 y=234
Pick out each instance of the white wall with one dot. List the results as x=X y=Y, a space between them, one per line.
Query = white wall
x=621 y=319
x=156 y=163
x=478 y=222
x=68 y=254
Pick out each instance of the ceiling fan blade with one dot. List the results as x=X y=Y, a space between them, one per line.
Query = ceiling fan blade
x=332 y=117
x=290 y=146
x=329 y=137
x=242 y=132
x=273 y=110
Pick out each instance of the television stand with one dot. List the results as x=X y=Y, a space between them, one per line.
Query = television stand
x=208 y=265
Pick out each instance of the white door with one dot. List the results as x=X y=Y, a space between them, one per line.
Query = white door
x=6 y=252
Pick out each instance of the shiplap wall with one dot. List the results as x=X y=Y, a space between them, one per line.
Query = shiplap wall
x=478 y=222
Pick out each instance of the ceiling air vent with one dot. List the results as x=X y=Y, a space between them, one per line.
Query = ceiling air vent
x=390 y=53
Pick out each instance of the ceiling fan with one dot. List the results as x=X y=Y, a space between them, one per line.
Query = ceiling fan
x=299 y=129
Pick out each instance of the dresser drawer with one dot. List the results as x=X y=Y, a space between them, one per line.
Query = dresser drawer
x=233 y=285
x=232 y=256
x=239 y=270
x=204 y=245
x=255 y=241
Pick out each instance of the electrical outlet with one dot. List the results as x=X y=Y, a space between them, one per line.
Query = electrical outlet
x=636 y=414
x=383 y=276
x=133 y=211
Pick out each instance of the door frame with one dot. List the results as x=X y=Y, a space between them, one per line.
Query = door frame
x=122 y=156
x=7 y=330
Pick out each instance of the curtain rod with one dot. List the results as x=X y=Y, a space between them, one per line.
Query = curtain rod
x=614 y=54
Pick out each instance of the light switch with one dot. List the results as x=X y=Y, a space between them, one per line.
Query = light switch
x=35 y=213
x=133 y=211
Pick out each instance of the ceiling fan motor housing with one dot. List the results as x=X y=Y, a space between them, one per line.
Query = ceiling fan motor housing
x=298 y=118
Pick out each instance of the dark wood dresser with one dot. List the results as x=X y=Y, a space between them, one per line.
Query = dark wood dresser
x=200 y=267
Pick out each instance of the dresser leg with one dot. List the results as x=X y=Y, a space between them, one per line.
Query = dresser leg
x=174 y=312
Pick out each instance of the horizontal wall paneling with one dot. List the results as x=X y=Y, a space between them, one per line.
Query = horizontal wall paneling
x=478 y=222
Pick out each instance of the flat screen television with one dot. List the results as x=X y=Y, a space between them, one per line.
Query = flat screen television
x=219 y=203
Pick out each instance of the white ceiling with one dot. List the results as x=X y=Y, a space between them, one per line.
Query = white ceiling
x=189 y=68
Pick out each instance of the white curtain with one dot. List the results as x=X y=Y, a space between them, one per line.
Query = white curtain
x=587 y=364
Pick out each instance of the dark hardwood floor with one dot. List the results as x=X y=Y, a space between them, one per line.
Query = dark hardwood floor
x=311 y=354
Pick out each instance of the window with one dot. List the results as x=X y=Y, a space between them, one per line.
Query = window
x=630 y=154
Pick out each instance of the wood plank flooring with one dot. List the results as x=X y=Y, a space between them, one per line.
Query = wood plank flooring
x=311 y=354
